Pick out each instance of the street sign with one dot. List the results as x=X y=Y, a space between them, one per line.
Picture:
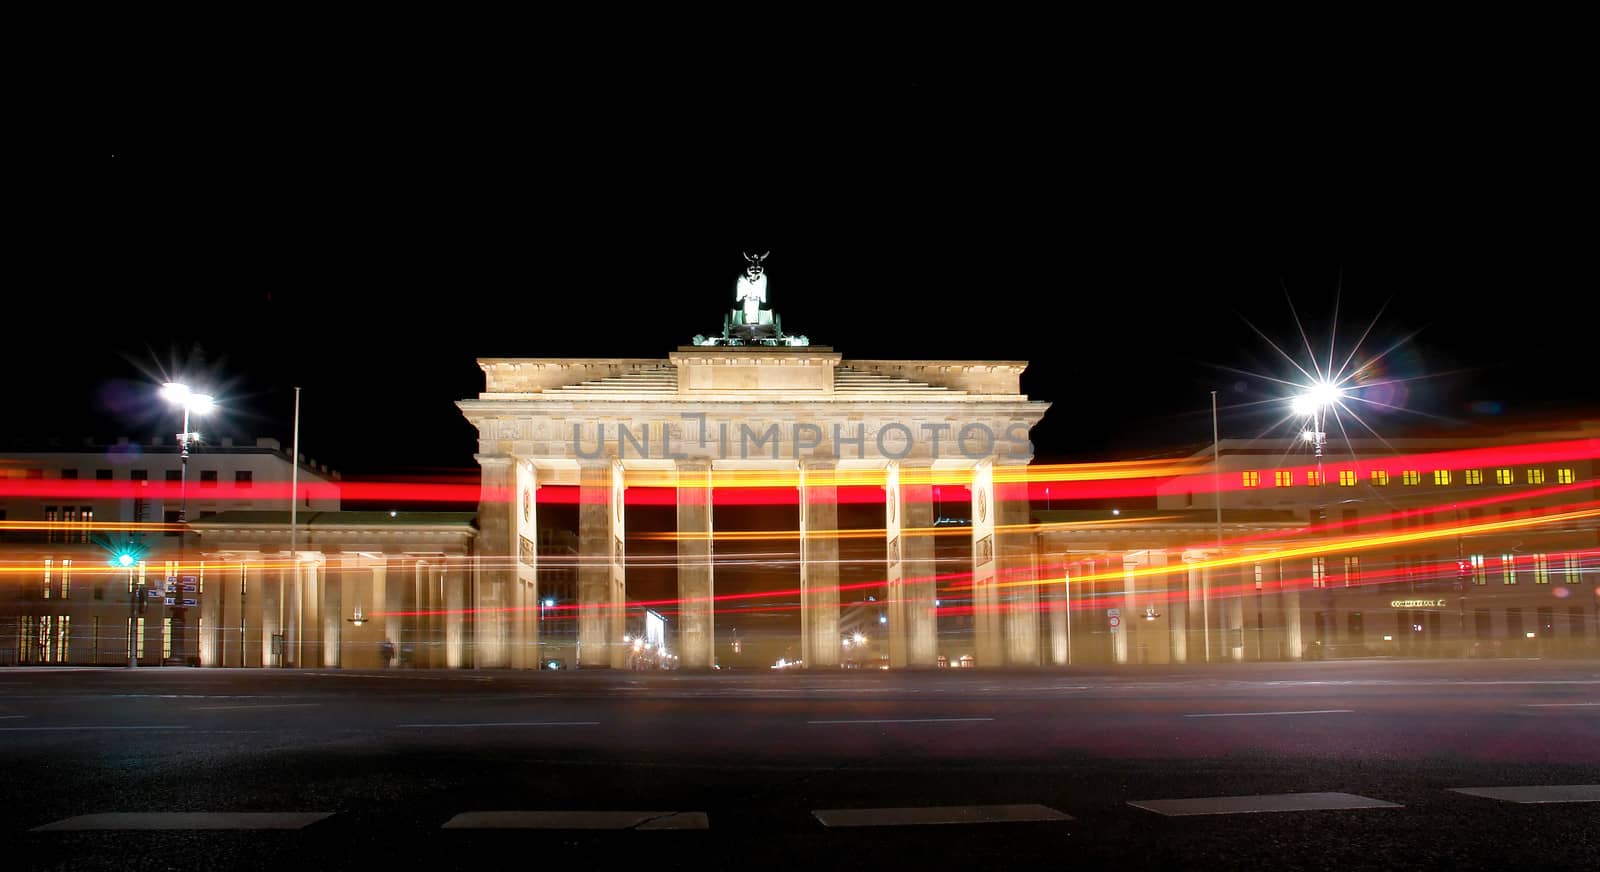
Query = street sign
x=1113 y=613
x=153 y=594
x=190 y=588
x=172 y=600
x=191 y=602
x=1115 y=622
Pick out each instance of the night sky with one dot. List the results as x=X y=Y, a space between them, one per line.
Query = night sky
x=368 y=243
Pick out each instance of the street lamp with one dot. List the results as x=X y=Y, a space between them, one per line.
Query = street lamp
x=1313 y=405
x=125 y=560
x=179 y=394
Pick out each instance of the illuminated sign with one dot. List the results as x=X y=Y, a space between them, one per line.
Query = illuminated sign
x=1416 y=604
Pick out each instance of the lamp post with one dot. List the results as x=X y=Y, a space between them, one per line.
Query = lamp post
x=125 y=561
x=194 y=403
x=1313 y=405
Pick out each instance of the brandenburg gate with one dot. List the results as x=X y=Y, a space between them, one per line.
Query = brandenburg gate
x=752 y=400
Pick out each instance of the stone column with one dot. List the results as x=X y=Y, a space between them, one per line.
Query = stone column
x=696 y=584
x=1199 y=630
x=387 y=595
x=819 y=564
x=293 y=616
x=496 y=547
x=332 y=583
x=986 y=627
x=892 y=565
x=525 y=654
x=423 y=644
x=1018 y=588
x=211 y=615
x=272 y=604
x=618 y=593
x=311 y=642
x=918 y=569
x=1058 y=594
x=1176 y=583
x=1293 y=641
x=1234 y=613
x=455 y=601
x=599 y=550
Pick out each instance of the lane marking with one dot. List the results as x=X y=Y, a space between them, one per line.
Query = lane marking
x=37 y=729
x=905 y=721
x=509 y=724
x=1270 y=714
x=11 y=717
x=224 y=708
x=1536 y=793
x=1559 y=704
x=579 y=820
x=1259 y=804
x=188 y=821
x=949 y=814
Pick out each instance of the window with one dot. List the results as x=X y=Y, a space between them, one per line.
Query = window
x=1347 y=478
x=1564 y=476
x=1474 y=476
x=1283 y=478
x=1541 y=569
x=244 y=478
x=1508 y=565
x=208 y=478
x=1380 y=477
x=47 y=584
x=1352 y=571
x=86 y=515
x=1251 y=478
x=1349 y=516
x=102 y=475
x=52 y=517
x=170 y=519
x=1503 y=476
x=1318 y=572
x=63 y=637
x=140 y=505
x=1258 y=576
x=1574 y=571
x=1411 y=476
x=174 y=475
x=1514 y=623
x=69 y=475
x=1313 y=478
x=1480 y=575
x=66 y=578
x=1535 y=476
x=166 y=639
x=1441 y=476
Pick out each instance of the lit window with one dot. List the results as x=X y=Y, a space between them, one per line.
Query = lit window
x=1318 y=572
x=52 y=515
x=1258 y=576
x=138 y=638
x=1480 y=575
x=1574 y=569
x=86 y=515
x=1503 y=476
x=66 y=578
x=1474 y=476
x=1508 y=565
x=1441 y=476
x=1411 y=476
x=1347 y=478
x=1564 y=476
x=1252 y=478
x=1380 y=477
x=1541 y=569
x=63 y=638
x=47 y=578
x=1313 y=478
x=166 y=638
x=1352 y=571
x=1284 y=478
x=1535 y=476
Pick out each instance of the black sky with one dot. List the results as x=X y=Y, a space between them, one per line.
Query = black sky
x=368 y=236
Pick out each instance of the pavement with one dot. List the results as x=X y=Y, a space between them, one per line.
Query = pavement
x=1373 y=764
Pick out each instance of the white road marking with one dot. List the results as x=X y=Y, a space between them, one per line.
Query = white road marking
x=906 y=721
x=579 y=820
x=36 y=729
x=1536 y=793
x=11 y=717
x=188 y=821
x=510 y=724
x=1267 y=714
x=223 y=708
x=950 y=814
x=1560 y=704
x=1258 y=804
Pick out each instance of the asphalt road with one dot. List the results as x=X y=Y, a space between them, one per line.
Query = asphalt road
x=392 y=757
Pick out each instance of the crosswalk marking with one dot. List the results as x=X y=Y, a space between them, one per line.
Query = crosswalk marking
x=147 y=820
x=949 y=814
x=579 y=820
x=1536 y=793
x=1258 y=804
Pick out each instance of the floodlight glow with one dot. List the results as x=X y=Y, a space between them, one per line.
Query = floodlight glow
x=125 y=559
x=175 y=392
x=1320 y=395
x=201 y=403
